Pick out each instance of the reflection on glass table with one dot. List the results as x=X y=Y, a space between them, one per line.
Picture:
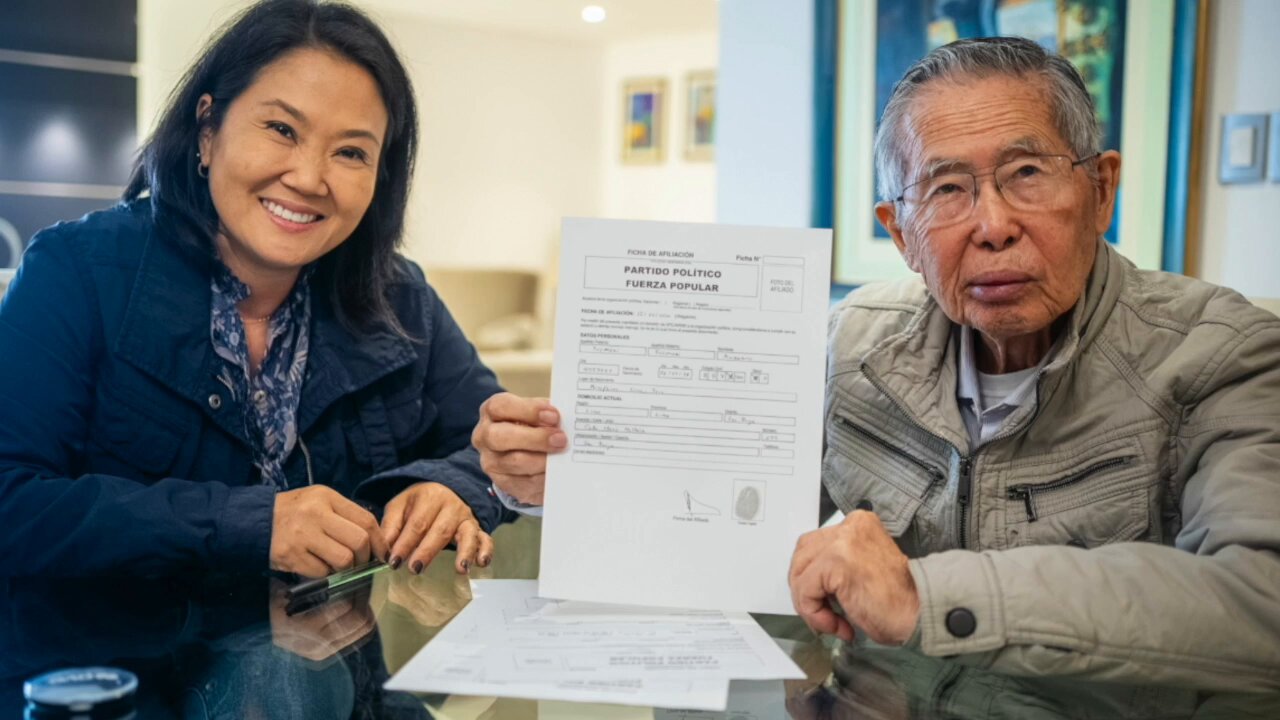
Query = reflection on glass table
x=224 y=647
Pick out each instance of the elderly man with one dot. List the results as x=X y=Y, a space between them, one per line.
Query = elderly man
x=1051 y=462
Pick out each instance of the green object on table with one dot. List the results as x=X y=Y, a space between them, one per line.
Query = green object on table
x=336 y=580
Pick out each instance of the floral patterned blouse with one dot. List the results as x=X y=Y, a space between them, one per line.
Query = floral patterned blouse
x=269 y=400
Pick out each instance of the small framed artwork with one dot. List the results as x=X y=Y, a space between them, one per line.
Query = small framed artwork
x=644 y=109
x=1244 y=149
x=700 y=116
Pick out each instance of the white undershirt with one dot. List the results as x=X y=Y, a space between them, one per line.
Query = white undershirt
x=995 y=389
x=986 y=401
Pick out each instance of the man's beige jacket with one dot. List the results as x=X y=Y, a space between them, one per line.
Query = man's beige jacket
x=1124 y=526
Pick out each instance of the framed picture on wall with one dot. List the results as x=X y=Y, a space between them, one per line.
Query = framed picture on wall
x=1123 y=48
x=700 y=116
x=644 y=109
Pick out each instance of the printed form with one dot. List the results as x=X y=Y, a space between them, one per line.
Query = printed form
x=689 y=369
x=508 y=642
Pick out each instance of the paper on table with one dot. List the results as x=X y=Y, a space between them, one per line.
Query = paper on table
x=748 y=700
x=460 y=659
x=689 y=363
x=457 y=672
x=595 y=641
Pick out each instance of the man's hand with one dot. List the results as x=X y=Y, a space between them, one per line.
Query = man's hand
x=858 y=565
x=419 y=522
x=514 y=436
x=315 y=531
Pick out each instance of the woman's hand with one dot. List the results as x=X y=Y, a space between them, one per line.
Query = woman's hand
x=514 y=436
x=419 y=522
x=322 y=631
x=315 y=531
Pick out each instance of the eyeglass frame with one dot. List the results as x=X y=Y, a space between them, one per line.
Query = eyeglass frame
x=991 y=170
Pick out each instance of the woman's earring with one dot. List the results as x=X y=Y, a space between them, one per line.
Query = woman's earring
x=201 y=169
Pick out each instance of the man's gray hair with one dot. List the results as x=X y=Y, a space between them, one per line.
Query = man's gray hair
x=1070 y=104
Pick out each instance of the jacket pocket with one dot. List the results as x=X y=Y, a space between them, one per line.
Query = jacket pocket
x=1098 y=501
x=383 y=434
x=862 y=467
x=134 y=444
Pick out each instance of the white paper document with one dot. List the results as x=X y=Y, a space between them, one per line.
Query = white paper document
x=689 y=368
x=509 y=643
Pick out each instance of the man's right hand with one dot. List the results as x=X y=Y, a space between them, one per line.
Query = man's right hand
x=514 y=436
x=315 y=531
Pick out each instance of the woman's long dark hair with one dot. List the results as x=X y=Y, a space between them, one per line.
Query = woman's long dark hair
x=356 y=274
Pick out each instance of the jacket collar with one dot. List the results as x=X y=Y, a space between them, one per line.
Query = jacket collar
x=165 y=333
x=917 y=368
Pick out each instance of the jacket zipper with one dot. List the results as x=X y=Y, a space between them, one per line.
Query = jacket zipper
x=1027 y=492
x=935 y=475
x=963 y=489
x=964 y=492
x=965 y=460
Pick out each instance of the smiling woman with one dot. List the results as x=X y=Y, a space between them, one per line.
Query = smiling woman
x=292 y=169
x=233 y=368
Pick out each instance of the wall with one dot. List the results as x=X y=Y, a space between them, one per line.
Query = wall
x=170 y=36
x=676 y=189
x=1240 y=235
x=765 y=140
x=510 y=143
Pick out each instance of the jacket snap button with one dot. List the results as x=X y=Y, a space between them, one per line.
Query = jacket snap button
x=215 y=401
x=863 y=505
x=961 y=622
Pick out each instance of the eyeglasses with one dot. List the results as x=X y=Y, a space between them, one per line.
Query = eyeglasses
x=1030 y=182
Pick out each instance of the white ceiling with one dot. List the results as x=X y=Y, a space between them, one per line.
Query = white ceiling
x=627 y=19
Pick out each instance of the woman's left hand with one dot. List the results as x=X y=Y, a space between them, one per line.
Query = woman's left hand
x=419 y=522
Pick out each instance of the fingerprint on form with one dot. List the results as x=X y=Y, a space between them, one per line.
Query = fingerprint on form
x=747 y=506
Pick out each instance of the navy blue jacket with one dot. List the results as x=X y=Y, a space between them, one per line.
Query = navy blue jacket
x=120 y=451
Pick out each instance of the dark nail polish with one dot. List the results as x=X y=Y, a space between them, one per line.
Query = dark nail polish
x=416 y=567
x=484 y=560
x=466 y=566
x=395 y=562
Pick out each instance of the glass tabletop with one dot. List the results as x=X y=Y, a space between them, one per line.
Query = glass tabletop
x=221 y=646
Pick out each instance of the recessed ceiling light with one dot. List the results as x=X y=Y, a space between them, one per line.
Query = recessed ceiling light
x=593 y=14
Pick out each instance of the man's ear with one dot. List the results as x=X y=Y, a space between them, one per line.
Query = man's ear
x=1106 y=187
x=887 y=214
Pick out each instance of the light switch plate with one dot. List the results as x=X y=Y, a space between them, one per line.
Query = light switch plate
x=1243 y=153
x=1273 y=165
